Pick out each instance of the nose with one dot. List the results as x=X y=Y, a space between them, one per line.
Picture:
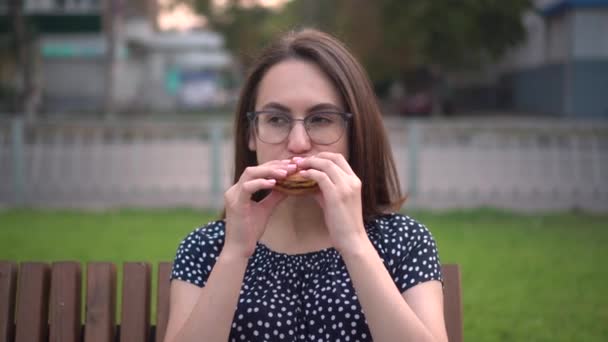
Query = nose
x=298 y=140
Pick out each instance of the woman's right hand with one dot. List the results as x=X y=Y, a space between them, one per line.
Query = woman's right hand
x=245 y=218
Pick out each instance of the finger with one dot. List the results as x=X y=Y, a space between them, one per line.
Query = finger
x=325 y=183
x=339 y=160
x=274 y=171
x=335 y=173
x=279 y=161
x=253 y=186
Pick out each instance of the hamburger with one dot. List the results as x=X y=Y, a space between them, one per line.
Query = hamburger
x=295 y=184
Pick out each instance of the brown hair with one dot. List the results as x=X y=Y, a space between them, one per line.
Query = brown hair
x=370 y=154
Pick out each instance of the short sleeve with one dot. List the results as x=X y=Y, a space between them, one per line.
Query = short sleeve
x=197 y=254
x=413 y=253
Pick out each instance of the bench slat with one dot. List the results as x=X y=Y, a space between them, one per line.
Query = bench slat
x=452 y=302
x=66 y=289
x=135 y=322
x=162 y=300
x=100 y=321
x=30 y=282
x=8 y=288
x=32 y=302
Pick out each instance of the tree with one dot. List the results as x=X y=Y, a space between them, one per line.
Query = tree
x=245 y=28
x=25 y=40
x=388 y=36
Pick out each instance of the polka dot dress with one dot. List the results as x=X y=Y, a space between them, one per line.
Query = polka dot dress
x=310 y=296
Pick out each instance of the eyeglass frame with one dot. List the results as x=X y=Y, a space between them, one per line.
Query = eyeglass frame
x=346 y=117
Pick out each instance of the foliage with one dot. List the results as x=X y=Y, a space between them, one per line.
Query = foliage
x=389 y=36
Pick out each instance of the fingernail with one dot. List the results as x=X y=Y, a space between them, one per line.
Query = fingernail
x=297 y=159
x=283 y=172
x=286 y=160
x=291 y=167
x=272 y=181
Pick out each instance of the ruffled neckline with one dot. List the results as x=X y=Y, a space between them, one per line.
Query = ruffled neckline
x=321 y=253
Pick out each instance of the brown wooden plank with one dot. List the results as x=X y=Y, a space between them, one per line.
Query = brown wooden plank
x=162 y=300
x=32 y=302
x=100 y=315
x=66 y=289
x=452 y=302
x=8 y=288
x=135 y=320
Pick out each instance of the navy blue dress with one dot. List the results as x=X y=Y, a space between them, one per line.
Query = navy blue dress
x=309 y=297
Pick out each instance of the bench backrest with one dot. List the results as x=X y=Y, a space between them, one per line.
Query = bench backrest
x=41 y=302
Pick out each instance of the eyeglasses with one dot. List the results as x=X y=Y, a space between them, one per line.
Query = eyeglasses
x=323 y=128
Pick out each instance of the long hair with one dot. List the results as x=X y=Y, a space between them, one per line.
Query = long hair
x=370 y=154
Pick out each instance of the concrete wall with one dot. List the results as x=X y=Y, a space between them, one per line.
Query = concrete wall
x=578 y=89
x=78 y=84
x=539 y=89
x=590 y=27
x=559 y=38
x=72 y=83
x=589 y=89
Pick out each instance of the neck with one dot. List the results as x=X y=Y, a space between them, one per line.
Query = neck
x=297 y=225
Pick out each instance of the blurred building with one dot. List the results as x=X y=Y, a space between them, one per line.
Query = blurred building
x=176 y=70
x=561 y=68
x=81 y=63
x=23 y=25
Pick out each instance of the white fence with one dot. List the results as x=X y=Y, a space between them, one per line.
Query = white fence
x=442 y=164
x=527 y=165
x=95 y=164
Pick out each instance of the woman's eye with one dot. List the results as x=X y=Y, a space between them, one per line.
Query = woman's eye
x=321 y=119
x=277 y=119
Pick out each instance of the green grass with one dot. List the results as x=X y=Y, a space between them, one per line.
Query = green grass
x=525 y=277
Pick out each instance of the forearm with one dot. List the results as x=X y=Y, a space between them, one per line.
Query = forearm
x=212 y=316
x=388 y=315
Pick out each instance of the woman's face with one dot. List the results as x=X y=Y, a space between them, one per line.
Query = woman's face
x=299 y=89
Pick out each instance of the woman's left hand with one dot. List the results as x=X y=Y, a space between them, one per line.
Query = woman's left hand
x=340 y=198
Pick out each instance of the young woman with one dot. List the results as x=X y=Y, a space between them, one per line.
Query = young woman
x=335 y=265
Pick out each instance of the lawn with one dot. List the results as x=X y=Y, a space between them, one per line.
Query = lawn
x=525 y=277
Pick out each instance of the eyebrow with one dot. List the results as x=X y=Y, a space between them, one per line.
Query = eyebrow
x=318 y=107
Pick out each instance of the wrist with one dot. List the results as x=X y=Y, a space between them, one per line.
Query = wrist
x=355 y=245
x=233 y=254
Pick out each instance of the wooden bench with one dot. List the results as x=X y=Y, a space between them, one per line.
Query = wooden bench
x=42 y=302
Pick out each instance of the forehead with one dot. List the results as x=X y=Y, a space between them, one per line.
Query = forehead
x=297 y=85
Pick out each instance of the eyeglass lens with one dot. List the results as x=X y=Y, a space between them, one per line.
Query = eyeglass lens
x=322 y=128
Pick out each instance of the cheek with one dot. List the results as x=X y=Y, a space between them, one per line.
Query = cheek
x=265 y=152
x=342 y=148
x=251 y=141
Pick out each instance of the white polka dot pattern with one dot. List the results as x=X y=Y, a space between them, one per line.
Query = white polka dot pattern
x=309 y=297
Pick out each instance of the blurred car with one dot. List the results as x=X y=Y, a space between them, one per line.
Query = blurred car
x=417 y=104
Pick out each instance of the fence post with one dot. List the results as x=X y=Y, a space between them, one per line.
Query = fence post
x=413 y=148
x=596 y=157
x=577 y=177
x=18 y=160
x=217 y=163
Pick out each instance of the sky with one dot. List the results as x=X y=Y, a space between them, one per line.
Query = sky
x=183 y=18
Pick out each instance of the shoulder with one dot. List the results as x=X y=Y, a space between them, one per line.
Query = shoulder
x=403 y=227
x=198 y=252
x=210 y=235
x=407 y=248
